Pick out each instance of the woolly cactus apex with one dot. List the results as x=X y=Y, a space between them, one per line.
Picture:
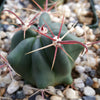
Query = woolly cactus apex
x=46 y=59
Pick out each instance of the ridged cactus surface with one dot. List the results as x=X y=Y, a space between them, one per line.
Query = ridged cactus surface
x=35 y=67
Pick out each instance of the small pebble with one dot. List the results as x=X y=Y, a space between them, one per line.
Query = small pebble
x=2 y=84
x=59 y=92
x=79 y=31
x=66 y=9
x=69 y=26
x=80 y=69
x=91 y=62
x=84 y=58
x=79 y=83
x=52 y=89
x=5 y=27
x=27 y=89
x=97 y=97
x=92 y=73
x=21 y=83
x=2 y=91
x=79 y=99
x=2 y=34
x=55 y=98
x=88 y=91
x=95 y=85
x=5 y=80
x=88 y=98
x=87 y=69
x=89 y=81
x=22 y=3
x=20 y=95
x=83 y=76
x=72 y=94
x=14 y=86
x=96 y=46
x=39 y=97
x=13 y=96
x=95 y=79
x=92 y=37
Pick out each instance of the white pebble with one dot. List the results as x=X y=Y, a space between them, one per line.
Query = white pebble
x=91 y=62
x=91 y=53
x=39 y=97
x=72 y=19
x=83 y=76
x=60 y=93
x=27 y=89
x=79 y=99
x=64 y=98
x=79 y=83
x=92 y=37
x=69 y=26
x=52 y=89
x=79 y=31
x=97 y=97
x=88 y=91
x=72 y=94
x=2 y=34
x=6 y=41
x=14 y=86
x=7 y=79
x=56 y=98
x=95 y=79
x=64 y=8
x=80 y=69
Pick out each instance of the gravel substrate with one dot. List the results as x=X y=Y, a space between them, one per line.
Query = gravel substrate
x=86 y=73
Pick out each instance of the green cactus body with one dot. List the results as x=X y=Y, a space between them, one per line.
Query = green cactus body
x=35 y=68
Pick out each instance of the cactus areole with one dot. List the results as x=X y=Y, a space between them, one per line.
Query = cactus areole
x=55 y=51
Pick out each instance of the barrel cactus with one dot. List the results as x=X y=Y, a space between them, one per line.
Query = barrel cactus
x=46 y=56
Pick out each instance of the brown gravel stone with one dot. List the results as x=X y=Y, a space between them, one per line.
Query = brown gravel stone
x=2 y=91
